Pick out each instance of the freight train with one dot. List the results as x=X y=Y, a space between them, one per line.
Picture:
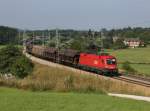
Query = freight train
x=100 y=62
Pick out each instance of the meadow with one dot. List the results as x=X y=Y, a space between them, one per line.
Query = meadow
x=138 y=57
x=2 y=46
x=19 y=100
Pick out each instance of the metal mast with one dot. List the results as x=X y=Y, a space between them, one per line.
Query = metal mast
x=23 y=37
x=33 y=37
x=93 y=34
x=43 y=37
x=49 y=35
x=19 y=36
x=57 y=44
x=57 y=39
x=23 y=41
x=102 y=39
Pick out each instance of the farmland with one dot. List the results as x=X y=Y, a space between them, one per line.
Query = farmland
x=138 y=57
x=47 y=101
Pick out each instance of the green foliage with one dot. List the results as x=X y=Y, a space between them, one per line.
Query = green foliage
x=52 y=44
x=126 y=66
x=82 y=37
x=119 y=44
x=138 y=32
x=22 y=67
x=107 y=43
x=8 y=56
x=13 y=61
x=77 y=45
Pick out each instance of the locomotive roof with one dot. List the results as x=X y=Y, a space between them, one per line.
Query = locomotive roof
x=105 y=55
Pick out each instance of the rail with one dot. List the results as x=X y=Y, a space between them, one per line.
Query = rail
x=133 y=80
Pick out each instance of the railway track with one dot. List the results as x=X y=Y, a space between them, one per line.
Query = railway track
x=133 y=80
x=138 y=77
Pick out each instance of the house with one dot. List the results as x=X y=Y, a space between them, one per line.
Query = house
x=133 y=42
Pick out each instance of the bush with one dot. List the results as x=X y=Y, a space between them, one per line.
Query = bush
x=8 y=56
x=127 y=67
x=22 y=67
x=12 y=61
x=119 y=44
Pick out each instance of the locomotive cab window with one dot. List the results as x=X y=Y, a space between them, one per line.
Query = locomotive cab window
x=111 y=61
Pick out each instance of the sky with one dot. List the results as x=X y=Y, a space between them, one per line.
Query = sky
x=74 y=14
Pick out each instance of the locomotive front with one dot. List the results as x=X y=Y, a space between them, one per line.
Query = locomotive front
x=109 y=64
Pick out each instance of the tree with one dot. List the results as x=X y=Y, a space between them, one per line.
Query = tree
x=8 y=55
x=119 y=44
x=22 y=67
x=77 y=45
x=90 y=33
x=12 y=61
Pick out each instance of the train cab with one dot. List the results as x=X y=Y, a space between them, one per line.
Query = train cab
x=110 y=64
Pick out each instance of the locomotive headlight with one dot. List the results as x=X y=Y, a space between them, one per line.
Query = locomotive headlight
x=114 y=60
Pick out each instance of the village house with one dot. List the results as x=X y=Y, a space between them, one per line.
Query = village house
x=133 y=42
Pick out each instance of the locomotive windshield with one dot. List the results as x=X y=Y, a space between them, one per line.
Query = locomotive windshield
x=111 y=61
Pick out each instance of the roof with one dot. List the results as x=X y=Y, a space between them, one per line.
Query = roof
x=132 y=39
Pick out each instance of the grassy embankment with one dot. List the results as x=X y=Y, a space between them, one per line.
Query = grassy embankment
x=19 y=100
x=61 y=80
x=139 y=57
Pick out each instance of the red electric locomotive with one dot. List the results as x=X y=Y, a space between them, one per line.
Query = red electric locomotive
x=102 y=63
x=105 y=64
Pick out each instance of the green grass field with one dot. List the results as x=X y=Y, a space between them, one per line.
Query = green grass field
x=140 y=68
x=1 y=46
x=18 y=100
x=137 y=55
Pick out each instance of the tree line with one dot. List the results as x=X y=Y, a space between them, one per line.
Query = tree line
x=8 y=35
x=103 y=37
